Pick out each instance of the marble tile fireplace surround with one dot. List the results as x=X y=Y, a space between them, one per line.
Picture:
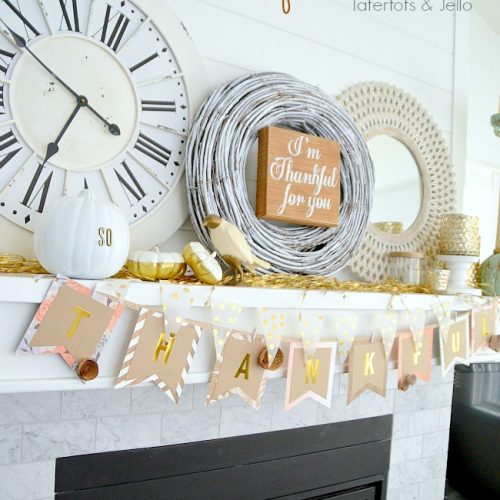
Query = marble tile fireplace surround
x=37 y=428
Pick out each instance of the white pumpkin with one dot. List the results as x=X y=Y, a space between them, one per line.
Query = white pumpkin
x=155 y=265
x=81 y=237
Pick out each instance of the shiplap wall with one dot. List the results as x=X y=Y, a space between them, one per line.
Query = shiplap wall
x=483 y=147
x=327 y=44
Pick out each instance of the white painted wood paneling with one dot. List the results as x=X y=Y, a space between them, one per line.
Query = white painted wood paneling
x=326 y=43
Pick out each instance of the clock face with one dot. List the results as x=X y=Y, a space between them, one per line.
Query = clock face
x=115 y=57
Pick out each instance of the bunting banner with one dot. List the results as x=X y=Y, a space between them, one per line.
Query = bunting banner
x=417 y=323
x=443 y=316
x=175 y=304
x=415 y=359
x=344 y=331
x=386 y=326
x=310 y=376
x=157 y=356
x=273 y=325
x=483 y=327
x=75 y=321
x=367 y=368
x=310 y=328
x=456 y=347
x=237 y=370
x=72 y=321
x=225 y=315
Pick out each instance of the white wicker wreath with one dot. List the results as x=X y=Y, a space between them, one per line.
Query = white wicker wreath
x=379 y=108
x=225 y=128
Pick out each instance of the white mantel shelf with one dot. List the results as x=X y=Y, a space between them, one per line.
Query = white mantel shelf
x=20 y=296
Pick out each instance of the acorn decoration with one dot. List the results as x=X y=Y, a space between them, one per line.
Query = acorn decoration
x=277 y=361
x=87 y=369
x=407 y=382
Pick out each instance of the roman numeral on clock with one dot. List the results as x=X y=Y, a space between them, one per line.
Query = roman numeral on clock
x=21 y=16
x=140 y=64
x=2 y=103
x=153 y=149
x=66 y=16
x=149 y=105
x=130 y=185
x=5 y=60
x=113 y=29
x=37 y=192
x=6 y=141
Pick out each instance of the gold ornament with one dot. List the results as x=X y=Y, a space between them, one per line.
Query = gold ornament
x=204 y=264
x=390 y=227
x=155 y=265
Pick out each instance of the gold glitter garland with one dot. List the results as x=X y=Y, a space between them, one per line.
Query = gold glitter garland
x=17 y=264
x=10 y=263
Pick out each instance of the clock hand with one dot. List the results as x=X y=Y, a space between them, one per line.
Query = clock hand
x=53 y=147
x=21 y=43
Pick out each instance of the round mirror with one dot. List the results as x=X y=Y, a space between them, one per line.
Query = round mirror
x=398 y=187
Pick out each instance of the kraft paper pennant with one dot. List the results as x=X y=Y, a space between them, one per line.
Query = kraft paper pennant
x=367 y=368
x=273 y=323
x=443 y=315
x=310 y=376
x=417 y=323
x=72 y=321
x=225 y=315
x=176 y=301
x=237 y=370
x=386 y=325
x=483 y=327
x=310 y=328
x=345 y=332
x=456 y=347
x=159 y=355
x=415 y=359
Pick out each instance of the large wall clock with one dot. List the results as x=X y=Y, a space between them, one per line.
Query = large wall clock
x=97 y=94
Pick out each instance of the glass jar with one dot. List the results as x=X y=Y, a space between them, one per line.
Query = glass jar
x=405 y=267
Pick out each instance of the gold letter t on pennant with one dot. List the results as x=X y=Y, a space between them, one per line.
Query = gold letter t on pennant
x=80 y=314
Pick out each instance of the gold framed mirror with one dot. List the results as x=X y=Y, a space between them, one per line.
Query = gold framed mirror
x=414 y=177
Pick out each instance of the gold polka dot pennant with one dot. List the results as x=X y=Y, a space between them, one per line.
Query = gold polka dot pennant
x=443 y=316
x=386 y=325
x=176 y=301
x=345 y=331
x=225 y=315
x=310 y=329
x=273 y=324
x=417 y=324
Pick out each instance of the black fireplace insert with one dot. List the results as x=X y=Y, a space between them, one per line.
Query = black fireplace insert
x=341 y=461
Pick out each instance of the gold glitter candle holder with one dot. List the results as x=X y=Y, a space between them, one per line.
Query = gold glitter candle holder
x=459 y=235
x=437 y=280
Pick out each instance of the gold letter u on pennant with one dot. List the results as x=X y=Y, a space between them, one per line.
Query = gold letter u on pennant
x=286 y=6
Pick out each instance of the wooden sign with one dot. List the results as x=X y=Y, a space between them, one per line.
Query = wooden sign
x=298 y=178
